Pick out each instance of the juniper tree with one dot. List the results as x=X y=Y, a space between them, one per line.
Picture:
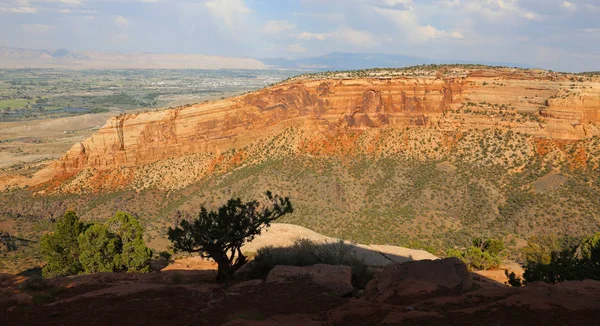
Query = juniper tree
x=60 y=249
x=220 y=234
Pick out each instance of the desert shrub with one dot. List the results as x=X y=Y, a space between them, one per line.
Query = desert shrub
x=117 y=246
x=165 y=255
x=513 y=280
x=134 y=255
x=571 y=262
x=481 y=255
x=99 y=250
x=60 y=249
x=540 y=249
x=306 y=253
x=590 y=248
x=7 y=242
x=220 y=234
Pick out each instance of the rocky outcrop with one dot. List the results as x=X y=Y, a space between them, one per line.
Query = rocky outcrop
x=404 y=282
x=284 y=235
x=336 y=280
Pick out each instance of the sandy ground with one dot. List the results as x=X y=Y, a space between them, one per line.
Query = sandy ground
x=25 y=142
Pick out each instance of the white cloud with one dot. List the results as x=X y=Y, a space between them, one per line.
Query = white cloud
x=313 y=36
x=530 y=15
x=568 y=6
x=456 y=35
x=296 y=48
x=352 y=36
x=450 y=3
x=19 y=10
x=278 y=26
x=231 y=12
x=497 y=11
x=410 y=27
x=120 y=21
x=344 y=34
x=393 y=3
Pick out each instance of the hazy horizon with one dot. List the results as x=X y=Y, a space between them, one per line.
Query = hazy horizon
x=550 y=34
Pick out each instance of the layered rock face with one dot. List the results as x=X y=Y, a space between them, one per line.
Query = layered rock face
x=533 y=102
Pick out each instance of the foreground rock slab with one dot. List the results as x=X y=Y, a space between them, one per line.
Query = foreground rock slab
x=403 y=282
x=337 y=280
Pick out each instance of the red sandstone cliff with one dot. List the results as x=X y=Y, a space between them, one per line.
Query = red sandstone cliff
x=533 y=102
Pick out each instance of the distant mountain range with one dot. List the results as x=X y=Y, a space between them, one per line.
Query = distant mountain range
x=27 y=58
x=354 y=61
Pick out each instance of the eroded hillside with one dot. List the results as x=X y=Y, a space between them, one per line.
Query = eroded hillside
x=422 y=157
x=552 y=107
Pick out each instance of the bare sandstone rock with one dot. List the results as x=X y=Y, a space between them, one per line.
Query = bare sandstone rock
x=337 y=280
x=401 y=282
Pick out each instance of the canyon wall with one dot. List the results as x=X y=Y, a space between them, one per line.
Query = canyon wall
x=533 y=102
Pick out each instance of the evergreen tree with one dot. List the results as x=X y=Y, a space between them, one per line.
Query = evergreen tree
x=99 y=250
x=220 y=234
x=60 y=249
x=135 y=256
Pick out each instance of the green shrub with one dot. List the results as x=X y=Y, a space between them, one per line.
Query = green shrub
x=117 y=246
x=60 y=249
x=571 y=262
x=134 y=255
x=165 y=255
x=481 y=255
x=99 y=250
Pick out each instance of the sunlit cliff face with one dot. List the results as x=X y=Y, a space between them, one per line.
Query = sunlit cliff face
x=536 y=103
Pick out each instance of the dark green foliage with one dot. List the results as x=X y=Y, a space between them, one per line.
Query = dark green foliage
x=513 y=280
x=590 y=248
x=572 y=262
x=492 y=246
x=481 y=255
x=114 y=247
x=541 y=249
x=60 y=249
x=134 y=255
x=220 y=234
x=165 y=255
x=100 y=250
x=306 y=253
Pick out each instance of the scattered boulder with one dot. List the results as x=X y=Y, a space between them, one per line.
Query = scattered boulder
x=401 y=282
x=336 y=280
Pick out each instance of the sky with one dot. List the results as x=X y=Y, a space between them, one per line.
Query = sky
x=552 y=34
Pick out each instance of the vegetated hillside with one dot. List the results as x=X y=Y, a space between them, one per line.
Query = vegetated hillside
x=427 y=158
